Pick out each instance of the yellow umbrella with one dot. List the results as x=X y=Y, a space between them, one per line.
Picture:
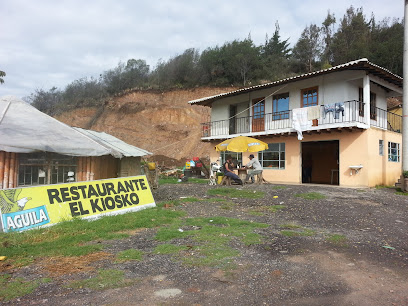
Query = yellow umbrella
x=242 y=144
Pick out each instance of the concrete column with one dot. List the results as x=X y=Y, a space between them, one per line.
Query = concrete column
x=405 y=94
x=366 y=99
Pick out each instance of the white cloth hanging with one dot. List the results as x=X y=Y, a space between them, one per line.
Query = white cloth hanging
x=300 y=122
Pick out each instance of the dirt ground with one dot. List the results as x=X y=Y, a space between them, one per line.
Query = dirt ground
x=368 y=268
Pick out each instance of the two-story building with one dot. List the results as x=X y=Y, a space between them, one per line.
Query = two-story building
x=326 y=127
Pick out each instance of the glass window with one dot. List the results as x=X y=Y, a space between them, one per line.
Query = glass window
x=280 y=107
x=381 y=147
x=274 y=157
x=309 y=97
x=393 y=152
x=46 y=168
x=236 y=158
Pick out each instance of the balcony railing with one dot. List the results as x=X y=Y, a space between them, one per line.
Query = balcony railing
x=348 y=113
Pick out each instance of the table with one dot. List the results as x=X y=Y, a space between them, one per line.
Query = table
x=333 y=171
x=242 y=173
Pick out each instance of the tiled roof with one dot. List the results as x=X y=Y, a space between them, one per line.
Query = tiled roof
x=361 y=64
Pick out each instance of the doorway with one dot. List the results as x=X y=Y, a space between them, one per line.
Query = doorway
x=258 y=115
x=320 y=162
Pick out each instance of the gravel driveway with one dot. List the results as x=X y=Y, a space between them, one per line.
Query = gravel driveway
x=322 y=246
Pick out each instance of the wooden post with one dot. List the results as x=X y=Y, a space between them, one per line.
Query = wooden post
x=16 y=170
x=80 y=169
x=11 y=170
x=6 y=170
x=88 y=169
x=2 y=155
x=92 y=169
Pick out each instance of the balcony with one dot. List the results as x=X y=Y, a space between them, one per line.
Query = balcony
x=351 y=115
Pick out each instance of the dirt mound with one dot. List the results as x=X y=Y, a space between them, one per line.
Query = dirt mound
x=160 y=122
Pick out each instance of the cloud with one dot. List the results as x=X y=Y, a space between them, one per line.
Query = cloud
x=48 y=43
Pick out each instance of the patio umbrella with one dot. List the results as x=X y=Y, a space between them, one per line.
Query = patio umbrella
x=242 y=144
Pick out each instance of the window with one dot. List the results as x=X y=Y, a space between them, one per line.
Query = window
x=280 y=107
x=309 y=97
x=393 y=152
x=274 y=157
x=46 y=168
x=381 y=147
x=236 y=157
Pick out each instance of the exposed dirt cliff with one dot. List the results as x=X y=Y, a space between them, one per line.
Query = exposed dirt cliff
x=160 y=122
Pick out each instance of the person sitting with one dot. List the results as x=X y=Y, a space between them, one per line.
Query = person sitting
x=228 y=165
x=256 y=168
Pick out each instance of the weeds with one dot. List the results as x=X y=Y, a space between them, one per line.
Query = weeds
x=106 y=279
x=130 y=254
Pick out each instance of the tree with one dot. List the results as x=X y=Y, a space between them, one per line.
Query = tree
x=308 y=49
x=275 y=55
x=328 y=32
x=47 y=101
x=353 y=37
x=2 y=74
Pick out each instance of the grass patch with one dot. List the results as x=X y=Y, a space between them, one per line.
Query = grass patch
x=236 y=193
x=228 y=205
x=337 y=239
x=256 y=213
x=72 y=238
x=18 y=287
x=169 y=249
x=172 y=203
x=174 y=180
x=275 y=208
x=302 y=232
x=310 y=196
x=130 y=254
x=106 y=279
x=212 y=236
x=400 y=192
x=277 y=187
x=290 y=226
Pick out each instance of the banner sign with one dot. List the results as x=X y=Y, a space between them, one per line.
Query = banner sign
x=30 y=207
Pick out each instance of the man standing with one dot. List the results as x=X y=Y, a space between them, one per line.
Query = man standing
x=256 y=168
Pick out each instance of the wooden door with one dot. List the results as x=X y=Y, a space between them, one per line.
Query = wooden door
x=258 y=115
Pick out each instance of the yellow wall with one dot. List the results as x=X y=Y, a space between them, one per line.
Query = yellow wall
x=358 y=147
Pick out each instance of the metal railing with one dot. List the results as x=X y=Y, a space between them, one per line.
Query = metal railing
x=331 y=115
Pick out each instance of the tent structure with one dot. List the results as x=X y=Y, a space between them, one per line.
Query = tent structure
x=38 y=149
x=24 y=129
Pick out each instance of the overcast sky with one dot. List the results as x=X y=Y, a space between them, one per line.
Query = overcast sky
x=46 y=43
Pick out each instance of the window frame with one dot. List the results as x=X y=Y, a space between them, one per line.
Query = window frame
x=312 y=103
x=381 y=147
x=282 y=149
x=280 y=115
x=391 y=156
x=53 y=167
x=236 y=157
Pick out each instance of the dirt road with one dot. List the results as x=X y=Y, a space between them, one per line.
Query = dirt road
x=319 y=246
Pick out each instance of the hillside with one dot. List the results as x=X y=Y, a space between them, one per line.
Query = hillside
x=160 y=122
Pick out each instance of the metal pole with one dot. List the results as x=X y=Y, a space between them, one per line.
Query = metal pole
x=405 y=94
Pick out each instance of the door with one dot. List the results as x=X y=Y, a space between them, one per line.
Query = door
x=310 y=97
x=320 y=162
x=258 y=115
x=232 y=120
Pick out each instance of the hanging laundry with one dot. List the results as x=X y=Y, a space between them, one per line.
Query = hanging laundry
x=299 y=121
x=313 y=112
x=339 y=107
x=329 y=108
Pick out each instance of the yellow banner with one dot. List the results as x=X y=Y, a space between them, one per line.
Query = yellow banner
x=25 y=208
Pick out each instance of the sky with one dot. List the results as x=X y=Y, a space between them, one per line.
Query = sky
x=47 y=43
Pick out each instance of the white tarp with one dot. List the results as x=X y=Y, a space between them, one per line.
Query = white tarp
x=24 y=129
